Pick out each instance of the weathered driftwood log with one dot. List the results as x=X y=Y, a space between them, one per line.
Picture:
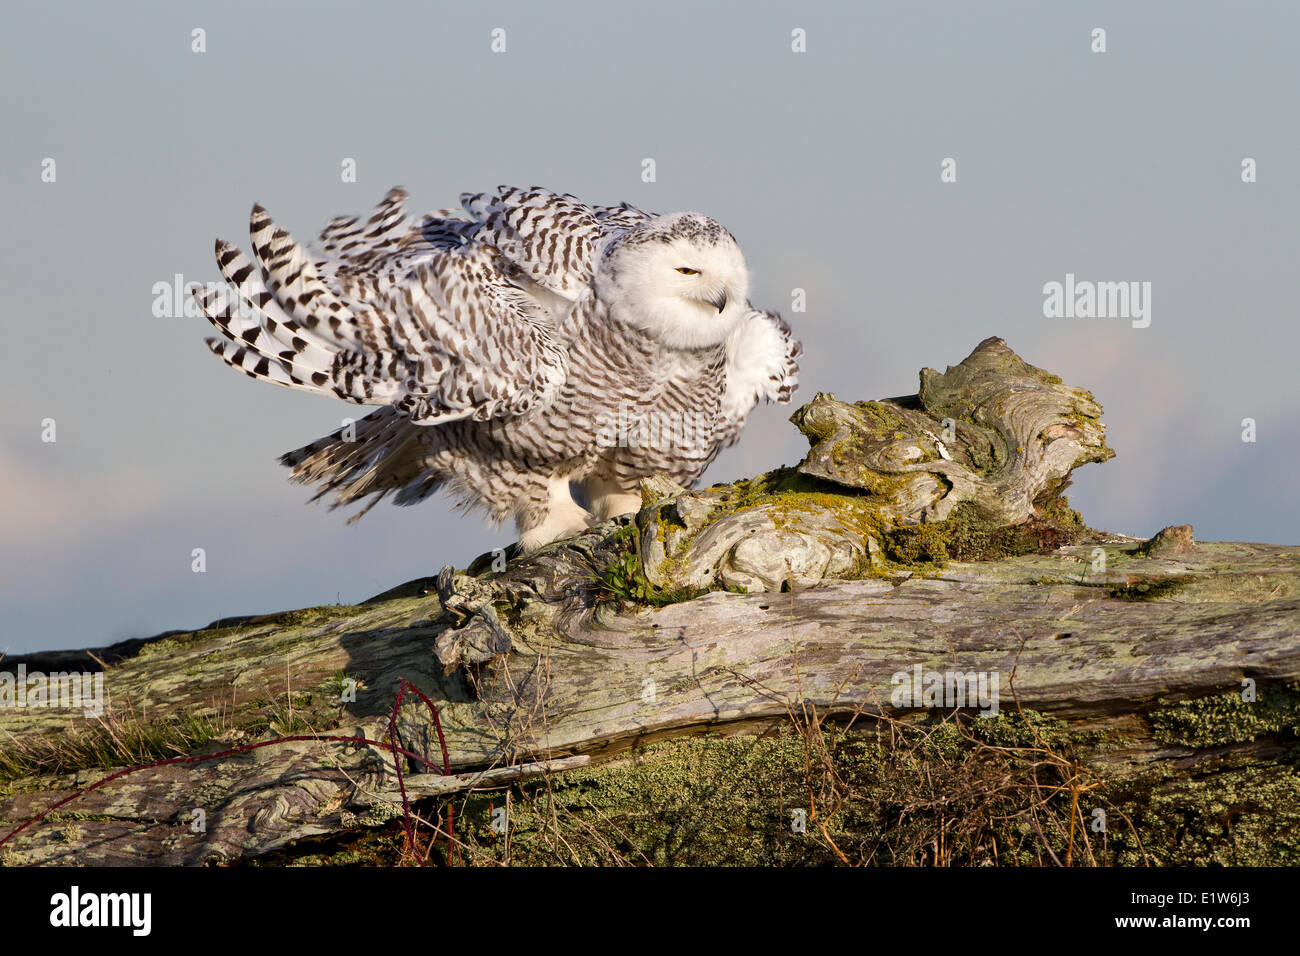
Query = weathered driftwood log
x=932 y=562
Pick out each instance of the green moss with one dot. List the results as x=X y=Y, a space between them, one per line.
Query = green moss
x=685 y=802
x=921 y=544
x=733 y=800
x=882 y=420
x=709 y=801
x=1050 y=579
x=730 y=801
x=1213 y=721
x=1247 y=816
x=167 y=646
x=307 y=616
x=303 y=617
x=751 y=491
x=1024 y=728
x=1148 y=588
x=969 y=536
x=786 y=494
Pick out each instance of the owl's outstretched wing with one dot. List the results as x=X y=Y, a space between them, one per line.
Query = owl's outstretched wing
x=422 y=318
x=547 y=238
x=762 y=365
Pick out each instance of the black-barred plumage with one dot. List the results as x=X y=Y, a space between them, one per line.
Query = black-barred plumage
x=537 y=345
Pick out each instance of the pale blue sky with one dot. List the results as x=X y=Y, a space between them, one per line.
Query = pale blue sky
x=1115 y=166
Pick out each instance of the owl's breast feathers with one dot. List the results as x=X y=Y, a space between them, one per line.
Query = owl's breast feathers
x=628 y=405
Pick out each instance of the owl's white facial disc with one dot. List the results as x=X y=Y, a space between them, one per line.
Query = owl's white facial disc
x=679 y=278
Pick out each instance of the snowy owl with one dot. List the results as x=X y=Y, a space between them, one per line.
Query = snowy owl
x=534 y=356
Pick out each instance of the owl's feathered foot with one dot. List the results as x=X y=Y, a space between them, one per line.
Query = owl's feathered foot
x=564 y=518
x=554 y=528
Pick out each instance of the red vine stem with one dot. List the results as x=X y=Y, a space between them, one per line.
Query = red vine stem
x=397 y=765
x=446 y=769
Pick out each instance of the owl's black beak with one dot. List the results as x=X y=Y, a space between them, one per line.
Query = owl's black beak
x=719 y=301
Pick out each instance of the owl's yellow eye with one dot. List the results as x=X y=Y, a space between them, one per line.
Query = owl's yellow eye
x=688 y=272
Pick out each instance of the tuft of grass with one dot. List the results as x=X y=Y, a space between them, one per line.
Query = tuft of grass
x=126 y=738
x=109 y=741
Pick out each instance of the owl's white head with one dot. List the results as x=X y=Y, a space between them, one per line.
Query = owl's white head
x=679 y=278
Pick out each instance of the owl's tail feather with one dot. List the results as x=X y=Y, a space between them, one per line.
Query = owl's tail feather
x=251 y=347
x=381 y=453
x=281 y=323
